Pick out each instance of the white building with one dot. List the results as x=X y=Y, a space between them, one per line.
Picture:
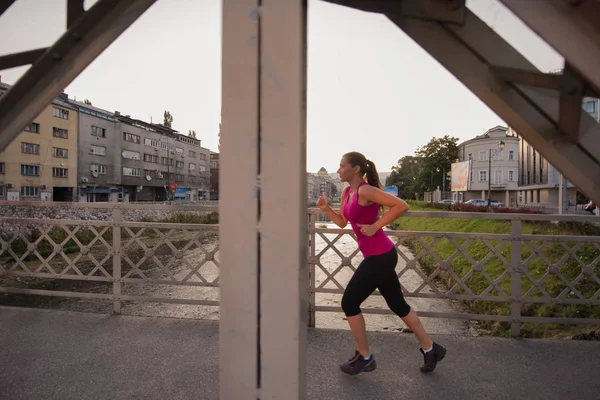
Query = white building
x=484 y=177
x=540 y=183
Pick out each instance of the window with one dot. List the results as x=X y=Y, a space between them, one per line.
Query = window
x=31 y=170
x=192 y=154
x=178 y=177
x=164 y=146
x=132 y=155
x=33 y=128
x=2 y=168
x=470 y=156
x=60 y=172
x=203 y=157
x=151 y=142
x=498 y=155
x=511 y=176
x=1 y=191
x=131 y=171
x=30 y=148
x=192 y=167
x=150 y=158
x=483 y=155
x=164 y=160
x=30 y=191
x=97 y=131
x=130 y=137
x=590 y=106
x=178 y=150
x=98 y=169
x=498 y=176
x=483 y=176
x=60 y=133
x=191 y=178
x=60 y=153
x=98 y=150
x=60 y=113
x=202 y=168
x=179 y=164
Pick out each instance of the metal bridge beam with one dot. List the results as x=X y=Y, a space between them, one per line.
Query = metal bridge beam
x=263 y=318
x=480 y=58
x=88 y=35
x=571 y=27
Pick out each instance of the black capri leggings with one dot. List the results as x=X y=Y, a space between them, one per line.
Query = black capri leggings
x=375 y=272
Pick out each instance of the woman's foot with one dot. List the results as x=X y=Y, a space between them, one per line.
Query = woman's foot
x=358 y=364
x=437 y=353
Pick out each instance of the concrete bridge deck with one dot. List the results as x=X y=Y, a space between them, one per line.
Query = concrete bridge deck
x=62 y=355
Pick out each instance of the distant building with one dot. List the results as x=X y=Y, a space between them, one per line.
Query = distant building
x=480 y=174
x=539 y=180
x=214 y=176
x=41 y=162
x=322 y=182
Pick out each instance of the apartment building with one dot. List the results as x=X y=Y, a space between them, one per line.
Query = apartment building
x=99 y=154
x=157 y=160
x=41 y=163
x=475 y=173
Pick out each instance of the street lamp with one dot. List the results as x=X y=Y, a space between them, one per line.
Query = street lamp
x=500 y=147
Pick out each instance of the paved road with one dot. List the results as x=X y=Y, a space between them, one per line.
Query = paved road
x=48 y=354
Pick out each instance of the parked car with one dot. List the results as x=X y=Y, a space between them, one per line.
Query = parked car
x=484 y=203
x=477 y=202
x=448 y=201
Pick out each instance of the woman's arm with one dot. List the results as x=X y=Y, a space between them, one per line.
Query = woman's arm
x=397 y=207
x=337 y=218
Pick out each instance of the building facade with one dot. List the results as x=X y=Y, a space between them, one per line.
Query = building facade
x=322 y=182
x=540 y=183
x=41 y=162
x=99 y=158
x=214 y=176
x=157 y=163
x=497 y=175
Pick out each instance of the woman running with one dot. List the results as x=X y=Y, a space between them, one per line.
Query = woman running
x=361 y=203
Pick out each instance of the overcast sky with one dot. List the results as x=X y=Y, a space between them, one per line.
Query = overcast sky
x=370 y=87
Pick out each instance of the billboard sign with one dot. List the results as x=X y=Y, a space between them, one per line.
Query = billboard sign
x=461 y=172
x=393 y=190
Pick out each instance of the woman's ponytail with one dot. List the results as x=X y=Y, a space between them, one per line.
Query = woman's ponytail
x=373 y=175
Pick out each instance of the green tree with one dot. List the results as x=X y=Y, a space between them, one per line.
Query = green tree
x=404 y=176
x=436 y=157
x=168 y=119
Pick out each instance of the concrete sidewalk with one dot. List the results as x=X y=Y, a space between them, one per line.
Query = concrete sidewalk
x=66 y=355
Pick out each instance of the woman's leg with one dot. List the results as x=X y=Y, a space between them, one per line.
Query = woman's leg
x=392 y=292
x=360 y=287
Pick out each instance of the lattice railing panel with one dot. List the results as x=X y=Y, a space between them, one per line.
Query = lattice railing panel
x=567 y=270
x=58 y=251
x=170 y=255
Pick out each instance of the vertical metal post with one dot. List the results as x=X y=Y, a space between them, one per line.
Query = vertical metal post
x=239 y=347
x=282 y=222
x=117 y=219
x=312 y=301
x=489 y=205
x=515 y=277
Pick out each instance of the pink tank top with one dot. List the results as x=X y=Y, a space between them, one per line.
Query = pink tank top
x=356 y=214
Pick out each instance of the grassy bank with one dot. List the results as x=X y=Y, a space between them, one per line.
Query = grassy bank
x=494 y=266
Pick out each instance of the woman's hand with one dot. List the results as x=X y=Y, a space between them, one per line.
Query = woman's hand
x=322 y=203
x=368 y=230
